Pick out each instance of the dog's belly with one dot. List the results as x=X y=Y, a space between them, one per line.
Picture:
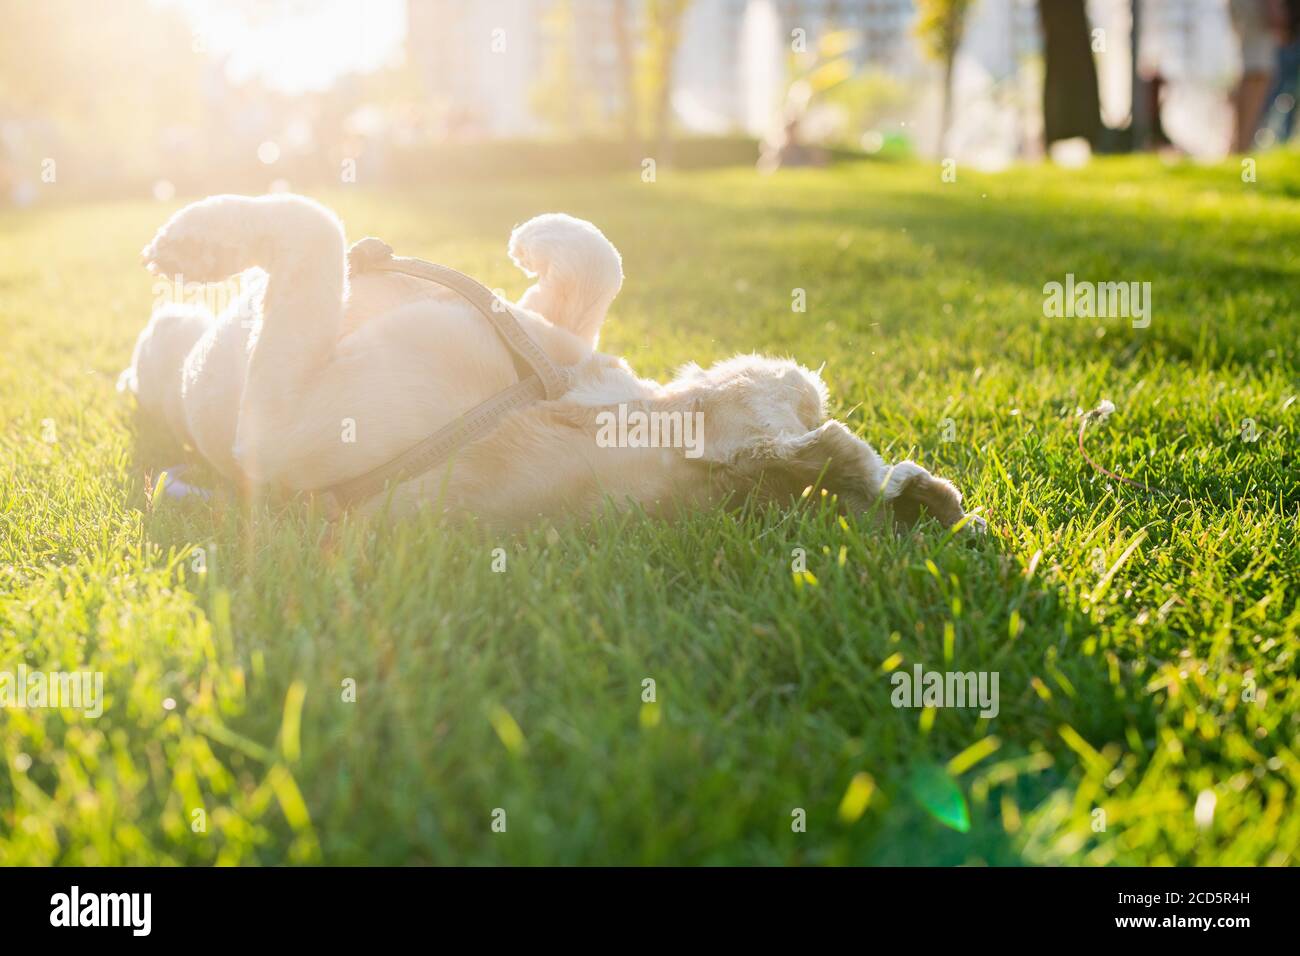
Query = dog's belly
x=403 y=375
x=374 y=295
x=542 y=460
x=396 y=376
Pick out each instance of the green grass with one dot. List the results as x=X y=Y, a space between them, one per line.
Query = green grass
x=1128 y=631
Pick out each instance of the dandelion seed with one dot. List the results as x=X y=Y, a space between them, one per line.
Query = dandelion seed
x=1204 y=813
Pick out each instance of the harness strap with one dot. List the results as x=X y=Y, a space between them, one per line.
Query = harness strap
x=496 y=310
x=539 y=378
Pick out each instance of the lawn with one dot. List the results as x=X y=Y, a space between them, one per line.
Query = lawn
x=1145 y=644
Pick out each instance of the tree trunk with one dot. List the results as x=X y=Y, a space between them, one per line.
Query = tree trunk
x=1139 y=100
x=627 y=73
x=1071 y=103
x=670 y=33
x=945 y=116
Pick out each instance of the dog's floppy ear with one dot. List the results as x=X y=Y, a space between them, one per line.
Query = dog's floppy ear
x=752 y=407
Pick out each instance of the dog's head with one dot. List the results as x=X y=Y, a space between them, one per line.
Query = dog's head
x=765 y=431
x=749 y=401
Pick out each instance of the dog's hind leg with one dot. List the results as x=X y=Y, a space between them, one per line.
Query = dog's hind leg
x=578 y=272
x=830 y=457
x=834 y=458
x=909 y=488
x=300 y=244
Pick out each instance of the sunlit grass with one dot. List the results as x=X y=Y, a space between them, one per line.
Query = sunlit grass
x=1146 y=646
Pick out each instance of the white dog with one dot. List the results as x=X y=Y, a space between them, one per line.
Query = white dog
x=316 y=377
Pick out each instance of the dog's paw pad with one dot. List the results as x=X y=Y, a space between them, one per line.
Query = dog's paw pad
x=204 y=242
x=194 y=258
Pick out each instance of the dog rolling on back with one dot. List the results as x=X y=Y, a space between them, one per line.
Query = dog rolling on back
x=314 y=377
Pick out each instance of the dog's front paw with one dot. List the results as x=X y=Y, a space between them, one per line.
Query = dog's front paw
x=203 y=242
x=189 y=258
x=974 y=524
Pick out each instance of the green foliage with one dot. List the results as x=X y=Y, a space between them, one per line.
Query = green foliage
x=940 y=25
x=869 y=98
x=1146 y=647
x=567 y=92
x=560 y=96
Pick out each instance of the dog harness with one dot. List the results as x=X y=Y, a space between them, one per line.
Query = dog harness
x=539 y=377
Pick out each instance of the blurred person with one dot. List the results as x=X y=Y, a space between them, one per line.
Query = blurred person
x=787 y=148
x=1254 y=22
x=1157 y=50
x=1281 y=98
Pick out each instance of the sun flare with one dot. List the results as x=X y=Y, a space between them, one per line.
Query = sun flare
x=295 y=47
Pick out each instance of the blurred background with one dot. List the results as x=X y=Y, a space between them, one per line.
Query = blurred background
x=167 y=97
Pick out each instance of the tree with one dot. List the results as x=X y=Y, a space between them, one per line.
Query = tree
x=625 y=44
x=940 y=25
x=1071 y=102
x=560 y=96
x=646 y=38
x=93 y=90
x=665 y=34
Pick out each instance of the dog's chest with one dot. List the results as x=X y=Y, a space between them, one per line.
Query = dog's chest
x=601 y=381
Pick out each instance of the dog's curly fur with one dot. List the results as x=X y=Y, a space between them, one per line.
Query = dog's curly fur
x=268 y=401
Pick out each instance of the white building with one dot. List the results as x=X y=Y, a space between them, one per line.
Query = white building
x=482 y=60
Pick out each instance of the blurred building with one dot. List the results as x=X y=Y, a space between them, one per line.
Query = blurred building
x=177 y=116
x=731 y=66
x=482 y=62
x=477 y=62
